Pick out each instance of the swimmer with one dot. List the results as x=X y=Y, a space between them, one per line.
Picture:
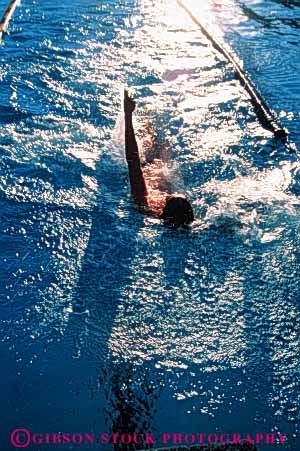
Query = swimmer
x=147 y=187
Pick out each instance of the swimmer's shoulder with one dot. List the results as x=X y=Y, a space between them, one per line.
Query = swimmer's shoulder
x=154 y=204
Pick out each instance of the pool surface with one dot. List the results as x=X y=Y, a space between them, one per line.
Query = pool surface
x=109 y=321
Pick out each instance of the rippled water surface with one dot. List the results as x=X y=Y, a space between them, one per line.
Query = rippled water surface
x=109 y=320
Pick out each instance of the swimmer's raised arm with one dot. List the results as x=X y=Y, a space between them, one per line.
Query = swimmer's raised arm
x=137 y=182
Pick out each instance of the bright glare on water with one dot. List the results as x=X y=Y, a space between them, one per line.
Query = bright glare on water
x=107 y=317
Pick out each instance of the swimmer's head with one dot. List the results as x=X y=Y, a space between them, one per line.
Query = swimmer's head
x=177 y=211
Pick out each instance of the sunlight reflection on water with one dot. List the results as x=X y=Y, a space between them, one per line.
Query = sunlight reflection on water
x=202 y=309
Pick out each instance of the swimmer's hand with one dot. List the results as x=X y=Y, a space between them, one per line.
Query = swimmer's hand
x=129 y=103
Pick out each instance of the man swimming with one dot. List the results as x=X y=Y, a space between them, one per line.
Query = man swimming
x=147 y=187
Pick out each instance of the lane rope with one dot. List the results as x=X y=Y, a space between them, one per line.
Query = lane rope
x=266 y=117
x=7 y=16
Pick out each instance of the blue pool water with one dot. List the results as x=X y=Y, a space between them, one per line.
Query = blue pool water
x=108 y=320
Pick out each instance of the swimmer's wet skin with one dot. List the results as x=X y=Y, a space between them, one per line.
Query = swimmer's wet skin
x=173 y=208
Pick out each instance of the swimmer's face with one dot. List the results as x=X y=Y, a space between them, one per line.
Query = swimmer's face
x=177 y=211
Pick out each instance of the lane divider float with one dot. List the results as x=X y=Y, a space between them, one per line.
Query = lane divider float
x=7 y=16
x=266 y=117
